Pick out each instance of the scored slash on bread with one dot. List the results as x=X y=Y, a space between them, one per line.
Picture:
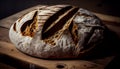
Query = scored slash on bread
x=59 y=31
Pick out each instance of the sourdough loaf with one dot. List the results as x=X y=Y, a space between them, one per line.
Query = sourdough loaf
x=58 y=31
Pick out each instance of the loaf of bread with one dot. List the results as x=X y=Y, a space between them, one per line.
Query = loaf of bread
x=58 y=31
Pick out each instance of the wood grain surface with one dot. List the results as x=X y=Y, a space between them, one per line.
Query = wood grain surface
x=10 y=55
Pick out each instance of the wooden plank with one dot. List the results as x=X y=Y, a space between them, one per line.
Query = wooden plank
x=108 y=18
x=4 y=34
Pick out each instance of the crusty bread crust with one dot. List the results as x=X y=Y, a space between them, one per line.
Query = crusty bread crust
x=59 y=31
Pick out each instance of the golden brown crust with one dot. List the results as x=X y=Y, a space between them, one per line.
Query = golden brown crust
x=30 y=27
x=74 y=33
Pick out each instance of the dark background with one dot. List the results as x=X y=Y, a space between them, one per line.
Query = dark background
x=110 y=7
